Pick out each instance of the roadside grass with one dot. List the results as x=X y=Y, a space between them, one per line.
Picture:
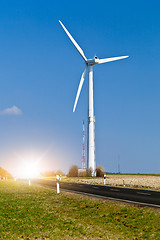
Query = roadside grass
x=34 y=212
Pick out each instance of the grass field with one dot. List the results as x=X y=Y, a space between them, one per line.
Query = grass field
x=39 y=213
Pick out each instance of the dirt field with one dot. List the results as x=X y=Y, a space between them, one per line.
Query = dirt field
x=138 y=181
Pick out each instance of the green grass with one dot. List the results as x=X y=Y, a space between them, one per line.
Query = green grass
x=39 y=213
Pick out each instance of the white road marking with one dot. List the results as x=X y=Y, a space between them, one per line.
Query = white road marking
x=144 y=193
x=116 y=190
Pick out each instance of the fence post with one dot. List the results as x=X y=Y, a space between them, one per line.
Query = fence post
x=104 y=179
x=58 y=189
x=123 y=183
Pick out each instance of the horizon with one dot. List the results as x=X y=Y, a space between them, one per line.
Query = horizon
x=40 y=71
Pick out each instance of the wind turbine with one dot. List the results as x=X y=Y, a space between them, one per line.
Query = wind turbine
x=91 y=163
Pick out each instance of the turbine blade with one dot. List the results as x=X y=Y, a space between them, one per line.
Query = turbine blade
x=79 y=88
x=73 y=41
x=111 y=59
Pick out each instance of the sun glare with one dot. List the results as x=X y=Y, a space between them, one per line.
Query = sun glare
x=29 y=169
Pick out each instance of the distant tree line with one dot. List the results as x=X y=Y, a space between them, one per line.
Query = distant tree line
x=75 y=172
x=52 y=173
x=4 y=173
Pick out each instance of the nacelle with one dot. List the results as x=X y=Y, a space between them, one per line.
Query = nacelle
x=93 y=61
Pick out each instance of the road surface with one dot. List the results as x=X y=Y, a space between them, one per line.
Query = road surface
x=136 y=196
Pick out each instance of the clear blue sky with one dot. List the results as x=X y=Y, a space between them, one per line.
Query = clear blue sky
x=40 y=71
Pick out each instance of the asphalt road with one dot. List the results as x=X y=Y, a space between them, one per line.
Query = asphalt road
x=136 y=196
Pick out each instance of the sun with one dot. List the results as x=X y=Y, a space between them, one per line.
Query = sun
x=29 y=169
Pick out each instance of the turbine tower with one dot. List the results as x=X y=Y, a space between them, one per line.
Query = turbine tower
x=83 y=149
x=91 y=164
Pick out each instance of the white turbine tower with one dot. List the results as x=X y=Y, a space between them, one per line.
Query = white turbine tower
x=91 y=118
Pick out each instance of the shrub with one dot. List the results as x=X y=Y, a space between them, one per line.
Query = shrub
x=48 y=174
x=89 y=172
x=59 y=172
x=73 y=171
x=4 y=173
x=100 y=171
x=84 y=174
